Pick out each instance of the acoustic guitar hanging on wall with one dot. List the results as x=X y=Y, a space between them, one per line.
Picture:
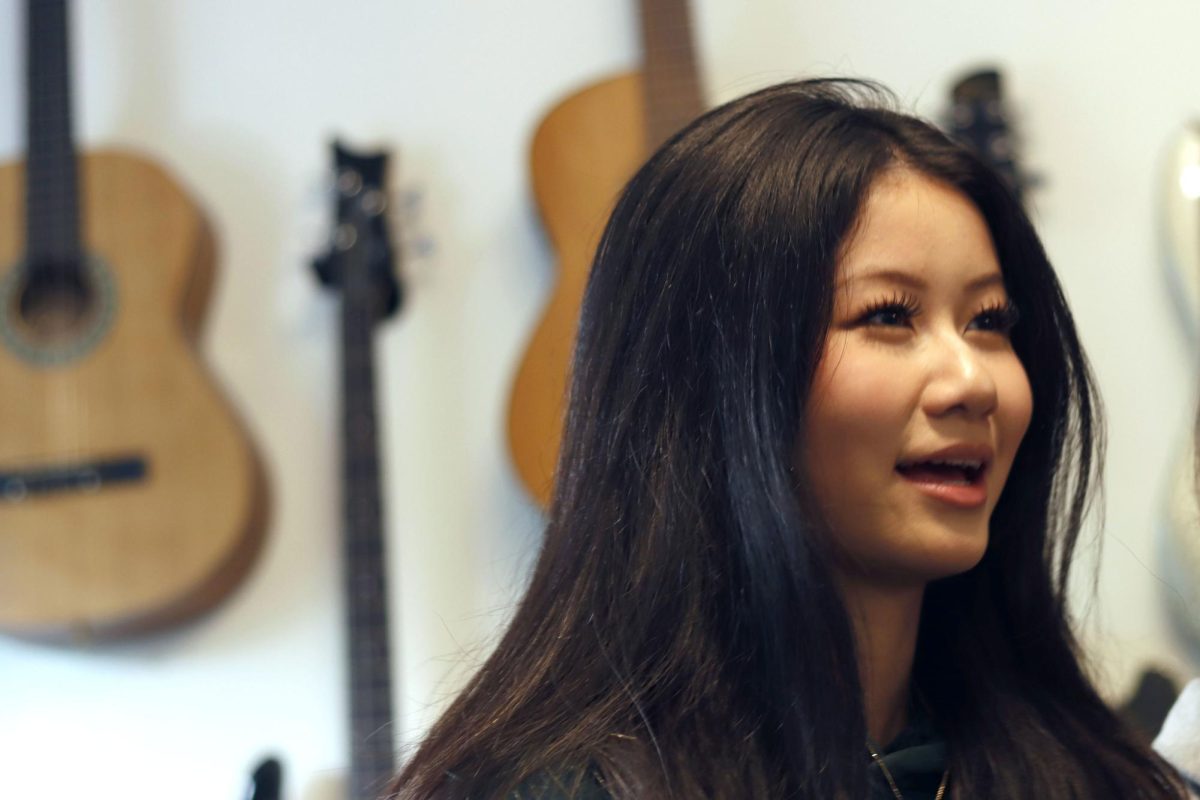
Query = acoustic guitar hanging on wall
x=584 y=151
x=130 y=497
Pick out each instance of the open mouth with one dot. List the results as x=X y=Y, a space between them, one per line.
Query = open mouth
x=951 y=472
x=954 y=475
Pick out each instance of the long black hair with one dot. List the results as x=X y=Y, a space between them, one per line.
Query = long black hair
x=682 y=635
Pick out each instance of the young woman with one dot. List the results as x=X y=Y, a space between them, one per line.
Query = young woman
x=819 y=492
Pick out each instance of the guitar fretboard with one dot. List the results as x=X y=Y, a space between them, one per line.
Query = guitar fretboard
x=369 y=659
x=672 y=88
x=51 y=186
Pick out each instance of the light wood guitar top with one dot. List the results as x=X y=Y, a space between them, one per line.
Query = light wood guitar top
x=583 y=153
x=585 y=150
x=176 y=521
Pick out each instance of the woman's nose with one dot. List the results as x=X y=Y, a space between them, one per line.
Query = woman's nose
x=960 y=380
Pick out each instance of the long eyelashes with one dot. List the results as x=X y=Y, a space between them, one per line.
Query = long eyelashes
x=896 y=309
x=1000 y=317
x=900 y=309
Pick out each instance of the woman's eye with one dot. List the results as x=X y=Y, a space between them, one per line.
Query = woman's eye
x=999 y=319
x=892 y=315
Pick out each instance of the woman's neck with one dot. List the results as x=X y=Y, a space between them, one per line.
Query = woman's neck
x=886 y=621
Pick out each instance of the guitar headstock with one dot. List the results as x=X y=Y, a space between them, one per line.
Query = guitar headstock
x=979 y=119
x=360 y=228
x=267 y=780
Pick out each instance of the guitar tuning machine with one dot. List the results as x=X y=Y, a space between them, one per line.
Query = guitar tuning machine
x=962 y=115
x=344 y=237
x=411 y=201
x=374 y=202
x=349 y=183
x=421 y=247
x=1000 y=148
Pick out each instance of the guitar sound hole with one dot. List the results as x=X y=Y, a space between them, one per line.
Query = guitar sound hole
x=55 y=304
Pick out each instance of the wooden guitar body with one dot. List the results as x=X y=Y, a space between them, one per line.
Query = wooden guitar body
x=129 y=496
x=583 y=153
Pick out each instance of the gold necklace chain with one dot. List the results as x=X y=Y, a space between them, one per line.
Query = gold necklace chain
x=887 y=773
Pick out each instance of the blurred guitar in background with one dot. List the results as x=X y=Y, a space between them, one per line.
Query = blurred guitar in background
x=584 y=151
x=266 y=782
x=1180 y=541
x=979 y=119
x=130 y=497
x=359 y=266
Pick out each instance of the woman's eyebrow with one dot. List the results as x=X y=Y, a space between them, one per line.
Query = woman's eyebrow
x=913 y=281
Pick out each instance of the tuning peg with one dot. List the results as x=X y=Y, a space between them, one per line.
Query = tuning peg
x=348 y=182
x=420 y=247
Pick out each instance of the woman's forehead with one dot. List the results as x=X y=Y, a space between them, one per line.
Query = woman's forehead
x=918 y=232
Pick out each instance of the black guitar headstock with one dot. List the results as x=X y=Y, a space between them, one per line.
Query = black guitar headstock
x=361 y=229
x=359 y=266
x=266 y=783
x=979 y=119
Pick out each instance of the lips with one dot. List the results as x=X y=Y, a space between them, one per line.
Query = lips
x=953 y=475
x=947 y=470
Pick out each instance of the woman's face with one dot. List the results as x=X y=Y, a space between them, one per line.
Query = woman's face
x=919 y=402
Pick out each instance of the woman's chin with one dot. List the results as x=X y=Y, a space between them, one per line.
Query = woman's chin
x=914 y=568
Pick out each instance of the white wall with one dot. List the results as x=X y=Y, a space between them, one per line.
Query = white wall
x=239 y=99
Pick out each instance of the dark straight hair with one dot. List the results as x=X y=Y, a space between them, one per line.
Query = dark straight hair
x=682 y=635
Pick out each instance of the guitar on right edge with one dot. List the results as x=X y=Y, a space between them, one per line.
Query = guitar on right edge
x=1180 y=543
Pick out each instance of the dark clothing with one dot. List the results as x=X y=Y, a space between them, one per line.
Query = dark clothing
x=547 y=786
x=916 y=759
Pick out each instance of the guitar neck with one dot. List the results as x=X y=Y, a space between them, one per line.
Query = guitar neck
x=371 y=755
x=672 y=94
x=51 y=184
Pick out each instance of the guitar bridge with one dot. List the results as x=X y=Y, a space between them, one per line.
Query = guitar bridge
x=87 y=476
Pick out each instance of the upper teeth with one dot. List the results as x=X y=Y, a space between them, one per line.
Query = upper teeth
x=964 y=463
x=957 y=462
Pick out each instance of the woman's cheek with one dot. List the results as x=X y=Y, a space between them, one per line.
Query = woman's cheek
x=1016 y=405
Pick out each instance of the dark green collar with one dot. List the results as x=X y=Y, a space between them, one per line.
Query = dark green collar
x=916 y=759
